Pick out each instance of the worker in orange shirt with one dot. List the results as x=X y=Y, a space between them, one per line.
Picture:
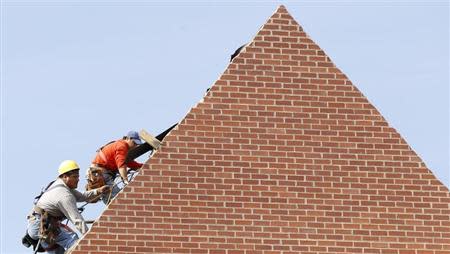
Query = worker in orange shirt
x=111 y=158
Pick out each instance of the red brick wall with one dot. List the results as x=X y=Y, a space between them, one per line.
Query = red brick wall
x=284 y=155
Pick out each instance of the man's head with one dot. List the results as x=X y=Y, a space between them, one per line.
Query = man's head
x=69 y=172
x=133 y=139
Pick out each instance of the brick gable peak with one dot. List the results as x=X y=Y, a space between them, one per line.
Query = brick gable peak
x=283 y=155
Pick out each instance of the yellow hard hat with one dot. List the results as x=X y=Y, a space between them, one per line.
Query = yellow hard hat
x=66 y=166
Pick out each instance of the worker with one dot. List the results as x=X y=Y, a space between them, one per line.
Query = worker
x=57 y=203
x=111 y=158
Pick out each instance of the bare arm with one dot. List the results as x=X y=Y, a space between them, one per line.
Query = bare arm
x=123 y=174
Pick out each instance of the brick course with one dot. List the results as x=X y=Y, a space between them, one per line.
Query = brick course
x=283 y=155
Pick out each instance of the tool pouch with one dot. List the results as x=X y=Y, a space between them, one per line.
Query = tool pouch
x=94 y=179
x=49 y=228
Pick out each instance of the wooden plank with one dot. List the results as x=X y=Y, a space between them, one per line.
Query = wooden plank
x=149 y=139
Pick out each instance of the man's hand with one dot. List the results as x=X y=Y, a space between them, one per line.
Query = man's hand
x=103 y=189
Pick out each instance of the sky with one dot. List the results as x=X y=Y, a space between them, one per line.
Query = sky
x=78 y=74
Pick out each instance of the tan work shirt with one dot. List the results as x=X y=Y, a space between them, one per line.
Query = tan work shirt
x=59 y=200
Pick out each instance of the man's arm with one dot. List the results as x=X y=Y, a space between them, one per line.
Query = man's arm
x=124 y=174
x=84 y=196
x=134 y=165
x=68 y=206
x=89 y=195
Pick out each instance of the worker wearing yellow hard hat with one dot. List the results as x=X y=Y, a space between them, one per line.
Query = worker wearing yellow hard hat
x=55 y=204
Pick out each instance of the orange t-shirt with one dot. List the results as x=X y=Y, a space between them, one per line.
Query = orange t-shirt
x=114 y=156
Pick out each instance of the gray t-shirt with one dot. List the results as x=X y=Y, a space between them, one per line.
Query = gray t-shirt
x=59 y=200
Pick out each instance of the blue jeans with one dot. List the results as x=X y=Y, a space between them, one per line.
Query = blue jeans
x=65 y=239
x=110 y=180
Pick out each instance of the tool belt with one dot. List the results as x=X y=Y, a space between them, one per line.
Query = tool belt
x=48 y=230
x=95 y=178
x=49 y=226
